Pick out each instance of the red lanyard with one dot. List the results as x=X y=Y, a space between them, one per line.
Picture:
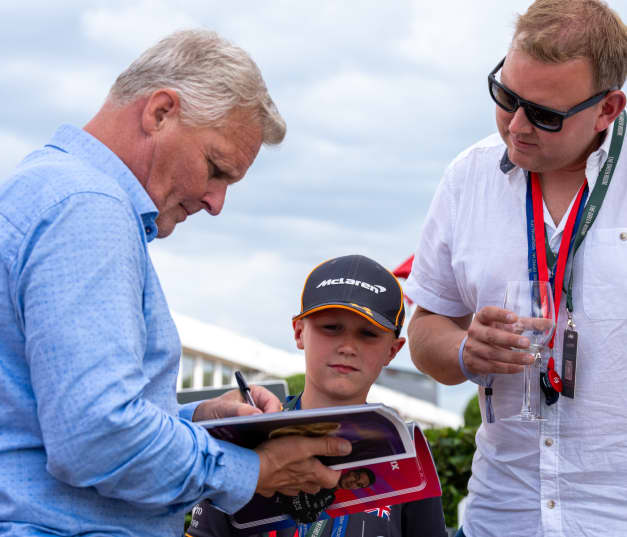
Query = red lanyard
x=540 y=240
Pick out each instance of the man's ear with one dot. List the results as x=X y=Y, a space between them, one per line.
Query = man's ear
x=299 y=326
x=613 y=104
x=162 y=105
x=396 y=346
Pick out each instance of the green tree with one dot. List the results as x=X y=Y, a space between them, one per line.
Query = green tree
x=295 y=383
x=472 y=414
x=452 y=451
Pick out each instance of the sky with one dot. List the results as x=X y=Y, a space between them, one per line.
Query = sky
x=378 y=97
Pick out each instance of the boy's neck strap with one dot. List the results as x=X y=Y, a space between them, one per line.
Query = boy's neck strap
x=293 y=402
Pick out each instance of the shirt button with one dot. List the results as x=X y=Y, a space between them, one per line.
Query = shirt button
x=623 y=236
x=550 y=504
x=548 y=442
x=148 y=230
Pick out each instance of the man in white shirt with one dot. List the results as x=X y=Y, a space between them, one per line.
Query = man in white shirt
x=561 y=123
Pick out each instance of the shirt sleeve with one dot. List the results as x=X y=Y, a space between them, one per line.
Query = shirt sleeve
x=432 y=283
x=187 y=410
x=78 y=289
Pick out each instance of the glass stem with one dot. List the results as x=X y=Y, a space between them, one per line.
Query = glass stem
x=526 y=407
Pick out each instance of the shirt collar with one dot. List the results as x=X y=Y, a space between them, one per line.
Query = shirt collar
x=506 y=165
x=594 y=163
x=83 y=145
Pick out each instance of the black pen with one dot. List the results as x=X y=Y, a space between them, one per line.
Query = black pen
x=244 y=388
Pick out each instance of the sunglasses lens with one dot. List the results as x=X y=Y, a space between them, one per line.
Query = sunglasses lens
x=503 y=98
x=543 y=118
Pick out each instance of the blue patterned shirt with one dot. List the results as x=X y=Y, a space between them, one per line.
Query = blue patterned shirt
x=92 y=441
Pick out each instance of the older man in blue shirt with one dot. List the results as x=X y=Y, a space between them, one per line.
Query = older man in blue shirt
x=92 y=441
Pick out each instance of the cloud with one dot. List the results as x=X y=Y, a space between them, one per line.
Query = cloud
x=456 y=36
x=364 y=106
x=67 y=89
x=134 y=26
x=12 y=150
x=252 y=292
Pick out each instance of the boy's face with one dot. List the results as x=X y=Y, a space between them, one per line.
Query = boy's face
x=344 y=354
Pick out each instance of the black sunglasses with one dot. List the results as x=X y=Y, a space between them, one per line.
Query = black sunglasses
x=543 y=117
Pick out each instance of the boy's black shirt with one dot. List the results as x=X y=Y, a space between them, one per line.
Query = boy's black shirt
x=422 y=518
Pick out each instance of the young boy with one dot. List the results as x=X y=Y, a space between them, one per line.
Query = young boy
x=349 y=326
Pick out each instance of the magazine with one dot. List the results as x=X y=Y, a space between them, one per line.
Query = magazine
x=396 y=453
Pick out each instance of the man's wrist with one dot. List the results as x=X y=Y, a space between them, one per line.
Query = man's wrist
x=460 y=357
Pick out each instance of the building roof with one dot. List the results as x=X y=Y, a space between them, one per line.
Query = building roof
x=230 y=346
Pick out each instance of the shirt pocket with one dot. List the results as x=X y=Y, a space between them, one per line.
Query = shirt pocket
x=605 y=274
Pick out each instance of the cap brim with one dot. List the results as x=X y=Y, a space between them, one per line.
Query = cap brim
x=375 y=318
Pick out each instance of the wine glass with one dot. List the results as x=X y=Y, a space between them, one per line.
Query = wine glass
x=532 y=302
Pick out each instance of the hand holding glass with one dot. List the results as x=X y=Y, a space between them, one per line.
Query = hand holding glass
x=532 y=302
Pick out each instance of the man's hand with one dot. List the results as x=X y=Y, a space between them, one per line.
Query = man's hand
x=232 y=404
x=288 y=465
x=491 y=337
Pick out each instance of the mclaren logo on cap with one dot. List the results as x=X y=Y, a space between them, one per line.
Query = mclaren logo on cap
x=349 y=281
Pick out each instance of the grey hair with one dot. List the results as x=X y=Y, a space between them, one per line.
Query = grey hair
x=211 y=76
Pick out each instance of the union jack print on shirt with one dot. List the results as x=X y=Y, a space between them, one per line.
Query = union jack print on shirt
x=382 y=512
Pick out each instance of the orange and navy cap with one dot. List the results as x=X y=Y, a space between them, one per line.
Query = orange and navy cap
x=357 y=283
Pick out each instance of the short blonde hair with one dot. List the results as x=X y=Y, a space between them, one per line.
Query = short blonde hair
x=211 y=76
x=555 y=31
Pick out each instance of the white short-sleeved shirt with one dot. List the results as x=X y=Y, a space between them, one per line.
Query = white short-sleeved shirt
x=568 y=476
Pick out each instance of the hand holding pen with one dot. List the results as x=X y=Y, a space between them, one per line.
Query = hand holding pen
x=244 y=388
x=230 y=403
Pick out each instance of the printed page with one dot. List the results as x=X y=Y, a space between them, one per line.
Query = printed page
x=401 y=480
x=375 y=431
